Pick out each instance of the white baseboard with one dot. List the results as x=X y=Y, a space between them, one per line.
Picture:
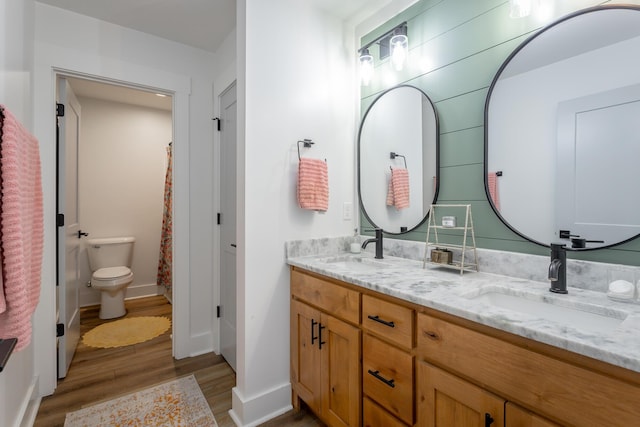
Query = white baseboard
x=259 y=409
x=92 y=296
x=29 y=408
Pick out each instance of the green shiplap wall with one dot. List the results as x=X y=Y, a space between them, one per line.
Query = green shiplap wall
x=466 y=42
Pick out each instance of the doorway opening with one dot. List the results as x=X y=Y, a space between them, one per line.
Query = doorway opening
x=114 y=180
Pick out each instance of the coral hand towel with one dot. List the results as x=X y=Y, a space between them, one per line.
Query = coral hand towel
x=313 y=184
x=398 y=194
x=492 y=179
x=21 y=223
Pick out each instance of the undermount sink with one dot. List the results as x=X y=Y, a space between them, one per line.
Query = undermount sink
x=356 y=263
x=587 y=318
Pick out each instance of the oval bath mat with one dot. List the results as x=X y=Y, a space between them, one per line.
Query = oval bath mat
x=132 y=330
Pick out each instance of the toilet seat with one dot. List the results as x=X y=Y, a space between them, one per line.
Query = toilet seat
x=111 y=276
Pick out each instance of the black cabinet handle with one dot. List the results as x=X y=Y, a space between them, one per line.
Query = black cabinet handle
x=81 y=233
x=384 y=322
x=320 y=342
x=488 y=420
x=390 y=383
x=313 y=337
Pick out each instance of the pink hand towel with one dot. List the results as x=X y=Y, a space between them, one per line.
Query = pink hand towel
x=313 y=184
x=22 y=226
x=492 y=179
x=398 y=193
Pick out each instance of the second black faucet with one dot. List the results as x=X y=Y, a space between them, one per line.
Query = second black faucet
x=378 y=240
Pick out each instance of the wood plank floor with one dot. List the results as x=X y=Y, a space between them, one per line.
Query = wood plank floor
x=97 y=374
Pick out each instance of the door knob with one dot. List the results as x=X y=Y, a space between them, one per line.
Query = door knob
x=80 y=234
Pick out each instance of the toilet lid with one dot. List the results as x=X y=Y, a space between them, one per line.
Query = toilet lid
x=111 y=272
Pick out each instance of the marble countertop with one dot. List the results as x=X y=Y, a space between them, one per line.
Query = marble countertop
x=484 y=298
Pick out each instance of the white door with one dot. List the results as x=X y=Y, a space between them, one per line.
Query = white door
x=597 y=173
x=69 y=233
x=228 y=225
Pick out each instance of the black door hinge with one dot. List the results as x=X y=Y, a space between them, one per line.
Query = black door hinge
x=217 y=119
x=59 y=110
x=60 y=220
x=59 y=330
x=219 y=218
x=218 y=311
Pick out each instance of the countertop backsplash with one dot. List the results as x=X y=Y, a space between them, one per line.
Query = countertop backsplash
x=594 y=276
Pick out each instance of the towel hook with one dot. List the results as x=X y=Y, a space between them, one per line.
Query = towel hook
x=393 y=155
x=307 y=144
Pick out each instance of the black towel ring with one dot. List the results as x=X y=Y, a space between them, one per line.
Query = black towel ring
x=307 y=144
x=393 y=155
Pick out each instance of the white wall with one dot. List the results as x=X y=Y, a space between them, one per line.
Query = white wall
x=305 y=90
x=123 y=162
x=19 y=378
x=71 y=43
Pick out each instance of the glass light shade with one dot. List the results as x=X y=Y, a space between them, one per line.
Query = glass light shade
x=399 y=50
x=520 y=8
x=366 y=67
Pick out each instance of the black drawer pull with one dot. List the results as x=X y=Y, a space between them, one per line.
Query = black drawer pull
x=320 y=342
x=384 y=322
x=488 y=420
x=376 y=374
x=313 y=325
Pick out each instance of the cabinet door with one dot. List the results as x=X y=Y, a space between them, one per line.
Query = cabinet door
x=375 y=416
x=340 y=352
x=388 y=377
x=516 y=416
x=445 y=400
x=305 y=354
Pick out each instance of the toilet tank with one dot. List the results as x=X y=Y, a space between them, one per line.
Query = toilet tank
x=110 y=252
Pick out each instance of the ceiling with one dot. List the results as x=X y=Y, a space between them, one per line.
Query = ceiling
x=125 y=95
x=202 y=24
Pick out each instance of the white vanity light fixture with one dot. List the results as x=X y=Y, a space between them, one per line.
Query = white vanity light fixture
x=399 y=43
x=393 y=44
x=366 y=67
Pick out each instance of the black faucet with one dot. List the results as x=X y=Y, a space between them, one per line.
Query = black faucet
x=558 y=269
x=378 y=240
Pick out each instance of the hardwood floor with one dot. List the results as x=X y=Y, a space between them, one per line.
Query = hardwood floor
x=98 y=374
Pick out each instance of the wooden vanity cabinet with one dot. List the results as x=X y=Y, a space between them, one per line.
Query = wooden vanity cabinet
x=554 y=384
x=385 y=362
x=325 y=350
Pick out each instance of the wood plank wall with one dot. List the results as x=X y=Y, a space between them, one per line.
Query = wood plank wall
x=457 y=47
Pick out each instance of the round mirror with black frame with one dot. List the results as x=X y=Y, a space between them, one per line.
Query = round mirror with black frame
x=398 y=149
x=562 y=132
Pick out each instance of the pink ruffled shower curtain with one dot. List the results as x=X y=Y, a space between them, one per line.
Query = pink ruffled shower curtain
x=166 y=256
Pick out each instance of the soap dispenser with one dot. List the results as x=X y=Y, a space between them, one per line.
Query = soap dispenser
x=355 y=244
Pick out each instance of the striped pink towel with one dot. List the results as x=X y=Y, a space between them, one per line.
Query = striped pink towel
x=313 y=184
x=398 y=194
x=21 y=223
x=492 y=180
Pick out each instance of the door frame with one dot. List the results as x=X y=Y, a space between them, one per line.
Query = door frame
x=219 y=270
x=135 y=77
x=221 y=84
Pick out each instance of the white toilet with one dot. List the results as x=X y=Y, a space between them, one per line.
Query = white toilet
x=110 y=261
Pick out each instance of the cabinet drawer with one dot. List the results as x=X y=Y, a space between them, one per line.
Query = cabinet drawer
x=391 y=321
x=387 y=377
x=553 y=388
x=335 y=299
x=375 y=416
